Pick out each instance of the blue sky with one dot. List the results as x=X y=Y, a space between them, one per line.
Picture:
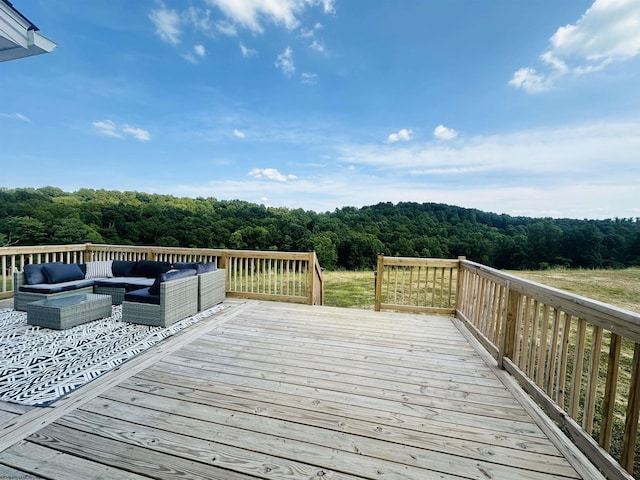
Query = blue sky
x=509 y=106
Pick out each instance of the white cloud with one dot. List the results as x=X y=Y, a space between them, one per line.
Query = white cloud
x=270 y=174
x=249 y=13
x=227 y=29
x=198 y=54
x=404 y=135
x=600 y=152
x=107 y=128
x=577 y=171
x=252 y=14
x=137 y=133
x=317 y=46
x=285 y=62
x=443 y=133
x=310 y=32
x=17 y=116
x=237 y=133
x=110 y=129
x=247 y=52
x=606 y=33
x=200 y=19
x=530 y=81
x=167 y=24
x=329 y=6
x=308 y=78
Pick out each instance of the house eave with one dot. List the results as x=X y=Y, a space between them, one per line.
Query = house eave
x=19 y=37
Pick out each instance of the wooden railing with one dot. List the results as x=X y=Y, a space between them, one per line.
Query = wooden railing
x=288 y=277
x=416 y=284
x=283 y=276
x=578 y=358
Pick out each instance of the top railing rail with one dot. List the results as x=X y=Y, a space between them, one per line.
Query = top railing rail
x=284 y=276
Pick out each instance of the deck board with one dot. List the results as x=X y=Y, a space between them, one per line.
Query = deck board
x=290 y=392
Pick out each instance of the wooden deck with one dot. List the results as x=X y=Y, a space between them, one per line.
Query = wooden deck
x=282 y=391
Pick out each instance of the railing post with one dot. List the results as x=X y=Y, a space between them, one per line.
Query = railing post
x=459 y=284
x=378 y=304
x=311 y=271
x=88 y=252
x=507 y=344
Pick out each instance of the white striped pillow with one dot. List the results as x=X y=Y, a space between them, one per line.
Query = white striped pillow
x=99 y=269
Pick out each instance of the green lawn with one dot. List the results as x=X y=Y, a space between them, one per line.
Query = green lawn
x=616 y=287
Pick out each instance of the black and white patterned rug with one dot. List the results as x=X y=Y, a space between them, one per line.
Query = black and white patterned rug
x=39 y=365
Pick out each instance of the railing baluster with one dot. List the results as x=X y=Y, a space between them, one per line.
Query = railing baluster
x=592 y=380
x=578 y=363
x=542 y=357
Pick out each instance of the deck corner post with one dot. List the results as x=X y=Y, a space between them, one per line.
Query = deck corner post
x=378 y=285
x=507 y=343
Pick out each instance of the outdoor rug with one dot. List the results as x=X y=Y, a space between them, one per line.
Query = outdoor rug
x=39 y=365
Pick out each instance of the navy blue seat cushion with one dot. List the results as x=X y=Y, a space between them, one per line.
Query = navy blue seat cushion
x=151 y=269
x=128 y=283
x=185 y=265
x=172 y=275
x=124 y=268
x=48 y=288
x=206 y=267
x=59 y=272
x=142 y=295
x=33 y=274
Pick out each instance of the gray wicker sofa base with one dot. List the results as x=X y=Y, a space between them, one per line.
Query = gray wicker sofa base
x=178 y=300
x=211 y=288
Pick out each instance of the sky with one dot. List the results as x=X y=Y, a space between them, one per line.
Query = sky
x=507 y=106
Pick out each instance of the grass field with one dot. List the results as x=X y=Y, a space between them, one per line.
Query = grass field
x=617 y=287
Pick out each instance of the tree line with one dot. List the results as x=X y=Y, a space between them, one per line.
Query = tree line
x=348 y=238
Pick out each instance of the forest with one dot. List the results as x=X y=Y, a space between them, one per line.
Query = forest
x=347 y=238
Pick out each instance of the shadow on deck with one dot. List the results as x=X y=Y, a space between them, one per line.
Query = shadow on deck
x=282 y=391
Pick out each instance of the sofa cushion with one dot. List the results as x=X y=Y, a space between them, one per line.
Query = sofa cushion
x=206 y=267
x=48 y=288
x=124 y=268
x=151 y=269
x=128 y=283
x=142 y=295
x=167 y=277
x=58 y=272
x=101 y=269
x=33 y=274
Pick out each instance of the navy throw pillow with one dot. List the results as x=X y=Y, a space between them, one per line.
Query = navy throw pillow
x=33 y=274
x=123 y=268
x=151 y=269
x=206 y=267
x=62 y=272
x=172 y=275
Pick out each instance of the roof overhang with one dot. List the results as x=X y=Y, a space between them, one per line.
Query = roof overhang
x=18 y=36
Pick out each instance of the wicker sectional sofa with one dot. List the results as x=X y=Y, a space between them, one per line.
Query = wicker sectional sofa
x=119 y=277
